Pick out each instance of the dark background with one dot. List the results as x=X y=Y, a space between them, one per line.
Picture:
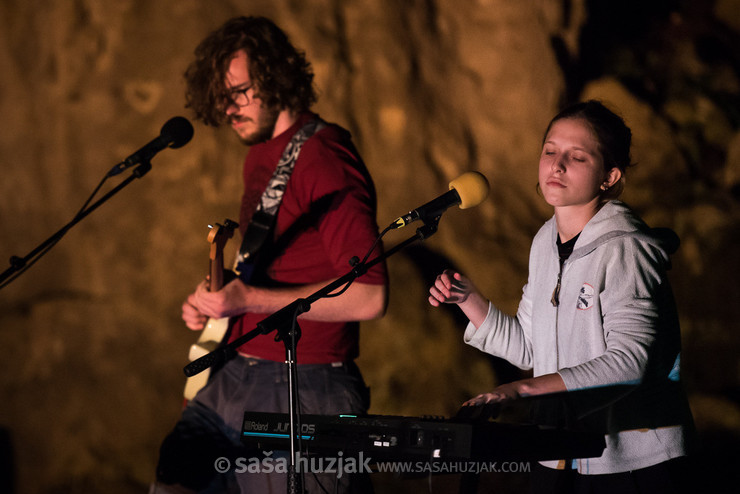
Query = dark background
x=92 y=341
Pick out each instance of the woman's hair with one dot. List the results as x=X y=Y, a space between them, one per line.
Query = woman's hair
x=610 y=131
x=280 y=73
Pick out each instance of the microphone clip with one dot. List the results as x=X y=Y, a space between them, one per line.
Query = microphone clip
x=429 y=228
x=144 y=166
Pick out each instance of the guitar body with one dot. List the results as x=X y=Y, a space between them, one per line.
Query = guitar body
x=210 y=339
x=215 y=330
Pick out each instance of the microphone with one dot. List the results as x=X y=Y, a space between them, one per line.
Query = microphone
x=175 y=133
x=468 y=190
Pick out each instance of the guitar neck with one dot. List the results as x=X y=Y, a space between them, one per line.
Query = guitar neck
x=217 y=274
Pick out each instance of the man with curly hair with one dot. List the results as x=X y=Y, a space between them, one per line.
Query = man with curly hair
x=248 y=75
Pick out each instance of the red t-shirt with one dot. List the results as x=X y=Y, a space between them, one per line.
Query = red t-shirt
x=327 y=216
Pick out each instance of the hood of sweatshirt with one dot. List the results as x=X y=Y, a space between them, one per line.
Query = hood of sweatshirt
x=614 y=220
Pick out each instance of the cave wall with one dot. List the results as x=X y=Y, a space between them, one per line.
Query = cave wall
x=94 y=345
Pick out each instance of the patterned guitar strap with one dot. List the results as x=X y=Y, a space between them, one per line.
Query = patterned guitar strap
x=264 y=217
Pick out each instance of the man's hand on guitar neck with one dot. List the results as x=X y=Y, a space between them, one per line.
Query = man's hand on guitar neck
x=359 y=303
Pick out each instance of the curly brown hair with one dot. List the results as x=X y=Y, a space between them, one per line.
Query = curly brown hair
x=281 y=75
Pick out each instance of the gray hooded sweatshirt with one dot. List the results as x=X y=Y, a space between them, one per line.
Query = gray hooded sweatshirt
x=613 y=337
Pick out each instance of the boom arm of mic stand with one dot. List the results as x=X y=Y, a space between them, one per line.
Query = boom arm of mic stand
x=18 y=263
x=284 y=316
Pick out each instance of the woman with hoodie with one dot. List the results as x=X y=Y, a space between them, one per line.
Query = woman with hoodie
x=596 y=316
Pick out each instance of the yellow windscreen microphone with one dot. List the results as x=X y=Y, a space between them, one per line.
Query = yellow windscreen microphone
x=468 y=190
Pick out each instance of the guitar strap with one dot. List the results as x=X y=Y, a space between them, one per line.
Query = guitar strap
x=264 y=217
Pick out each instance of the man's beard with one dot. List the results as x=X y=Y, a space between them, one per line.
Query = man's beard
x=265 y=128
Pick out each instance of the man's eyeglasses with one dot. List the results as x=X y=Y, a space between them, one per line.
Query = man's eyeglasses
x=239 y=96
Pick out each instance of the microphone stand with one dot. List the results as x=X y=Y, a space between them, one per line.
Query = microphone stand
x=19 y=263
x=284 y=321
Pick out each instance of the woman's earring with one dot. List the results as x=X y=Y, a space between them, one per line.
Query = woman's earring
x=604 y=187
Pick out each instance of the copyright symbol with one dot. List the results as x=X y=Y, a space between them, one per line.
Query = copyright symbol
x=222 y=465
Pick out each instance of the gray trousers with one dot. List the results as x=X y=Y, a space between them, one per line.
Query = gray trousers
x=202 y=451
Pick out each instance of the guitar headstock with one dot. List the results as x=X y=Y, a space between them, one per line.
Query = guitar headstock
x=220 y=234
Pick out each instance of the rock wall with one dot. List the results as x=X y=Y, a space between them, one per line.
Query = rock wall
x=94 y=346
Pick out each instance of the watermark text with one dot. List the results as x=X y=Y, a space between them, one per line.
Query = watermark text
x=341 y=465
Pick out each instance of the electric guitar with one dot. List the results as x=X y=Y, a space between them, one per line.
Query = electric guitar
x=215 y=330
